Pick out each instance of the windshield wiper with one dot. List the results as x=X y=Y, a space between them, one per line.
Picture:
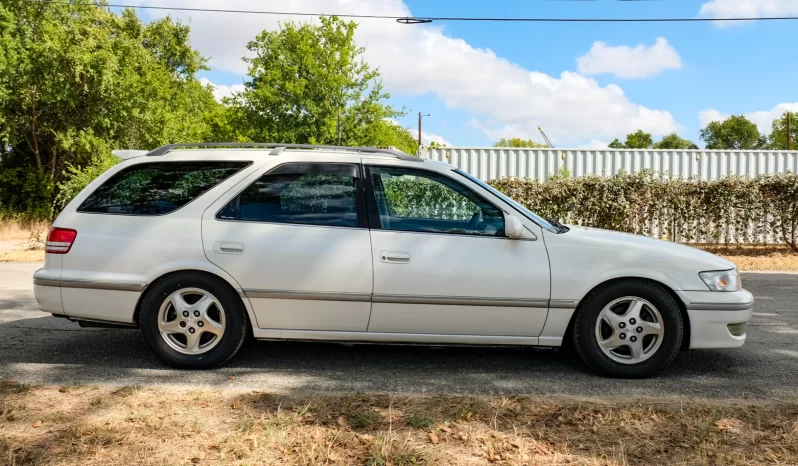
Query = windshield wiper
x=558 y=225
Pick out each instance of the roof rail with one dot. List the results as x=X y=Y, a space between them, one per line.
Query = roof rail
x=278 y=148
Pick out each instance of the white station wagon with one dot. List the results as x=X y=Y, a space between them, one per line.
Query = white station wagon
x=202 y=245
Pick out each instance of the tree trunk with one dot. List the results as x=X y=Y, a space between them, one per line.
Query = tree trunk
x=34 y=132
x=53 y=160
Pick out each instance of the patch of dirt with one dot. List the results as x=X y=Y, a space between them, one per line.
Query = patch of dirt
x=93 y=426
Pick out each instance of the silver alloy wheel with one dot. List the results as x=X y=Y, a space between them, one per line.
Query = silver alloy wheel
x=191 y=321
x=629 y=330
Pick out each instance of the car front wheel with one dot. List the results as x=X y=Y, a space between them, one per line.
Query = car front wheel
x=629 y=329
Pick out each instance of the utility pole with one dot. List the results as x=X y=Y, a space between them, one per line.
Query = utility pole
x=789 y=135
x=420 y=116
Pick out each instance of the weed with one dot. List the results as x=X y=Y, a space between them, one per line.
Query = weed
x=418 y=421
x=365 y=419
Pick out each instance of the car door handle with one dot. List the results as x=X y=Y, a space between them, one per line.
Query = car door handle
x=221 y=247
x=389 y=257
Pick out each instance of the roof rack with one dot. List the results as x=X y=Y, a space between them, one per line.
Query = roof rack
x=277 y=148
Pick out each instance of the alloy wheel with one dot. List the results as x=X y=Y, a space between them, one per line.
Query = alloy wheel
x=629 y=330
x=191 y=321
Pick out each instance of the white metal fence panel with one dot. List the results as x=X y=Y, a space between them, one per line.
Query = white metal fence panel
x=488 y=163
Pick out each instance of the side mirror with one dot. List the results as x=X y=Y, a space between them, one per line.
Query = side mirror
x=513 y=227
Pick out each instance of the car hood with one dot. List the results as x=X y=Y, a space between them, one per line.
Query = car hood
x=615 y=240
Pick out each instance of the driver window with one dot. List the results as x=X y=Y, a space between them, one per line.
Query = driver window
x=421 y=201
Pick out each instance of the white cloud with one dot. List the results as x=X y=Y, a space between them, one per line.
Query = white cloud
x=710 y=115
x=221 y=91
x=626 y=62
x=594 y=144
x=763 y=119
x=748 y=8
x=426 y=138
x=416 y=60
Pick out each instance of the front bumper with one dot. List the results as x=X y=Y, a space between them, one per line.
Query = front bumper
x=711 y=314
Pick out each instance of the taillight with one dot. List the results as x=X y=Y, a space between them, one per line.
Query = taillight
x=60 y=240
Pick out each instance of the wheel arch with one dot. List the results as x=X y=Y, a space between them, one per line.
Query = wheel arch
x=567 y=338
x=229 y=281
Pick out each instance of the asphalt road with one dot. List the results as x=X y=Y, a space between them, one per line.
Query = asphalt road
x=38 y=348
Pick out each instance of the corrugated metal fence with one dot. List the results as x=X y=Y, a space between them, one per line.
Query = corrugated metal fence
x=490 y=163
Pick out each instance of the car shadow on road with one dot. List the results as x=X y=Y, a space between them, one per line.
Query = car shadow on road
x=52 y=351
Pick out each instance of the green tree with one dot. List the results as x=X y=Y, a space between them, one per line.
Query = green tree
x=733 y=133
x=309 y=84
x=517 y=142
x=778 y=134
x=615 y=144
x=673 y=141
x=638 y=140
x=388 y=133
x=78 y=81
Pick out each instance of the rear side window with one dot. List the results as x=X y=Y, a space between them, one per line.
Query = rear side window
x=157 y=188
x=306 y=194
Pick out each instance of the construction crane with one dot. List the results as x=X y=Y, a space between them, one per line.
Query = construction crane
x=546 y=138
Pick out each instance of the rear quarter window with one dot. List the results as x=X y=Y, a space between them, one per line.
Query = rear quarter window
x=157 y=188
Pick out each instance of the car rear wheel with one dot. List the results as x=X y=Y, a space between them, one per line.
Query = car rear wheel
x=628 y=329
x=193 y=321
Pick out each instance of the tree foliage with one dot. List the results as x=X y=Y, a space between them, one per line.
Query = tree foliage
x=615 y=144
x=636 y=140
x=79 y=81
x=517 y=142
x=778 y=134
x=733 y=133
x=309 y=84
x=673 y=141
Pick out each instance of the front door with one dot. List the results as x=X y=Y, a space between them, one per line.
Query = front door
x=297 y=241
x=443 y=265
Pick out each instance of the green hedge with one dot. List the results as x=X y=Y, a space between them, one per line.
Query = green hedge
x=729 y=210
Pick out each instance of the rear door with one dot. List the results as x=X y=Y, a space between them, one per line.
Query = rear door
x=297 y=241
x=443 y=265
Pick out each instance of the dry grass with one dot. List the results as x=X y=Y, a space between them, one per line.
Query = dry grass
x=17 y=255
x=92 y=426
x=23 y=231
x=22 y=241
x=754 y=258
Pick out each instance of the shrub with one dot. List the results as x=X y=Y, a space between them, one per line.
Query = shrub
x=728 y=210
x=75 y=179
x=26 y=193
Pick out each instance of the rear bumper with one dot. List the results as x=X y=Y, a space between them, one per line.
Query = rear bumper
x=47 y=290
x=79 y=298
x=712 y=313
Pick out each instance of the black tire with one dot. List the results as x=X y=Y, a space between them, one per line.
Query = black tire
x=584 y=329
x=235 y=331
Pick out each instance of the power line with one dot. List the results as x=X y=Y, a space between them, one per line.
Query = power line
x=427 y=19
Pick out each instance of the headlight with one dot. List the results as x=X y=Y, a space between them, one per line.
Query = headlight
x=724 y=280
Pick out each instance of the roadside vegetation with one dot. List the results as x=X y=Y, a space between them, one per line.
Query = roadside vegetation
x=66 y=103
x=88 y=426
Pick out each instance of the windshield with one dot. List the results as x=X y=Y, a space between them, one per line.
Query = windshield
x=540 y=221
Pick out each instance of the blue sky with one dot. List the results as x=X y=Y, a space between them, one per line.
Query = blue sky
x=481 y=81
